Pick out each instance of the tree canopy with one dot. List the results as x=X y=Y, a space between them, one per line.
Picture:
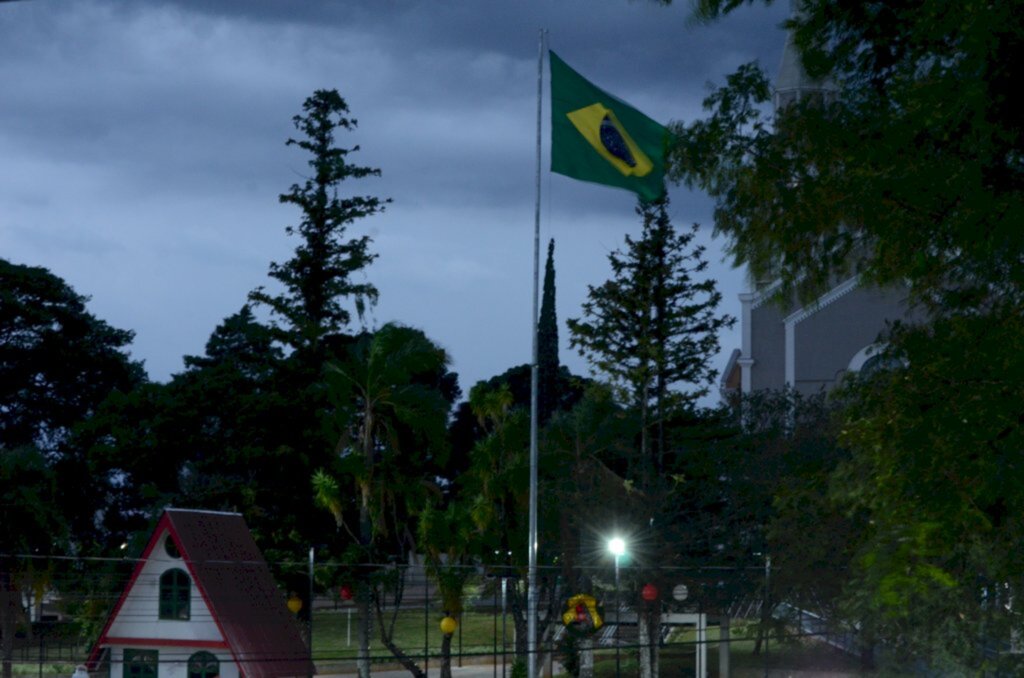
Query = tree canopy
x=908 y=172
x=57 y=360
x=319 y=278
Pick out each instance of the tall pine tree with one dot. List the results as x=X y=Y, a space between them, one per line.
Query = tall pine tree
x=318 y=279
x=654 y=325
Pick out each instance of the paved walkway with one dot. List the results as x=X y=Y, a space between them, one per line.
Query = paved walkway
x=468 y=671
x=477 y=671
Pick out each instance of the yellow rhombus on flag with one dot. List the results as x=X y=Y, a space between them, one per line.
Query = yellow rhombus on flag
x=597 y=137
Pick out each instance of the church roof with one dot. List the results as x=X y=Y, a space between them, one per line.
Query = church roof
x=235 y=583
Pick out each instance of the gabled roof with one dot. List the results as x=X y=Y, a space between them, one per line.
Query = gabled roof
x=235 y=582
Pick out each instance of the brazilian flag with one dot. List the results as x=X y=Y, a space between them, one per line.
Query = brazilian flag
x=598 y=137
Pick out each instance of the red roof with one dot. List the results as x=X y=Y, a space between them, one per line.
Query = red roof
x=235 y=582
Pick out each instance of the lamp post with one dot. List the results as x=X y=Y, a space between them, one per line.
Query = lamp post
x=617 y=547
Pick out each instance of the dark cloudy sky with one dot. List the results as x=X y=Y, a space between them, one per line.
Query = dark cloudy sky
x=142 y=152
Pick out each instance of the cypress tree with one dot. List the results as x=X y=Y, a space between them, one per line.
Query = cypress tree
x=547 y=344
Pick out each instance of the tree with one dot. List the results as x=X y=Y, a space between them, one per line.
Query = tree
x=33 y=525
x=318 y=279
x=758 y=488
x=547 y=344
x=939 y=477
x=227 y=433
x=467 y=428
x=588 y=490
x=58 y=363
x=448 y=543
x=889 y=178
x=653 y=325
x=497 y=485
x=391 y=393
x=898 y=181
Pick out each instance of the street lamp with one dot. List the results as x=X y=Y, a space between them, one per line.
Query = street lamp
x=617 y=547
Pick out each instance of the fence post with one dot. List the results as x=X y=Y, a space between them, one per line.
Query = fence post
x=426 y=625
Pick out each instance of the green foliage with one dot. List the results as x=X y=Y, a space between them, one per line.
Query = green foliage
x=498 y=479
x=586 y=487
x=908 y=173
x=318 y=278
x=940 y=479
x=32 y=523
x=57 y=360
x=548 y=381
x=891 y=177
x=236 y=431
x=58 y=364
x=448 y=540
x=391 y=393
x=653 y=325
x=569 y=654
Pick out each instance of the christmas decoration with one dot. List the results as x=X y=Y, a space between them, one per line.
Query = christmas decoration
x=583 y=615
x=448 y=626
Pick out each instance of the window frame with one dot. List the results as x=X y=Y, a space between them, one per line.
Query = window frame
x=206 y=658
x=131 y=667
x=175 y=598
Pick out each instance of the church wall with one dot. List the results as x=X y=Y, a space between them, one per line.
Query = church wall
x=828 y=338
x=767 y=348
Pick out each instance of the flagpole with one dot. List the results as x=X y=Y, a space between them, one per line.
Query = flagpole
x=531 y=586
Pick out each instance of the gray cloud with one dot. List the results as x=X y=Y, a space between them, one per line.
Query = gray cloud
x=142 y=151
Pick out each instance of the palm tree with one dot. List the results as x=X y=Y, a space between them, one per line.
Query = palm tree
x=388 y=393
x=448 y=542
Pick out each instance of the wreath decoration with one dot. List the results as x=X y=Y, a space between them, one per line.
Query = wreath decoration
x=583 y=615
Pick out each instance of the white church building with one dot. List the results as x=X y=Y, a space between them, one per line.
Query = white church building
x=808 y=347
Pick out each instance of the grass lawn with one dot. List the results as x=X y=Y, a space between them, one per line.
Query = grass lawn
x=416 y=633
x=47 y=669
x=478 y=641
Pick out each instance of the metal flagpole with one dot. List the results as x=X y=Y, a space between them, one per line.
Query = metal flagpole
x=531 y=590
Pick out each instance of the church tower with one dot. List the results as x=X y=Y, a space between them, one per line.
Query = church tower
x=792 y=83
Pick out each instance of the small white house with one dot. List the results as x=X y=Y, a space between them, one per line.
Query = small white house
x=201 y=603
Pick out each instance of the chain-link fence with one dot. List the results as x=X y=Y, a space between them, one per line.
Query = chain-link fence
x=708 y=620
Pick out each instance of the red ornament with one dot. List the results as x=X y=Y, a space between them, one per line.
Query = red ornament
x=649 y=592
x=345 y=592
x=581 y=613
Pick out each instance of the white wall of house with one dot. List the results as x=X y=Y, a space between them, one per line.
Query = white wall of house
x=139 y=616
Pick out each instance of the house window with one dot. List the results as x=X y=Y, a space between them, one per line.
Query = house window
x=141 y=663
x=171 y=548
x=203 y=665
x=175 y=595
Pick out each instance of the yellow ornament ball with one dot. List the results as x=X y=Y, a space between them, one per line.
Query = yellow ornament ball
x=448 y=626
x=294 y=604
